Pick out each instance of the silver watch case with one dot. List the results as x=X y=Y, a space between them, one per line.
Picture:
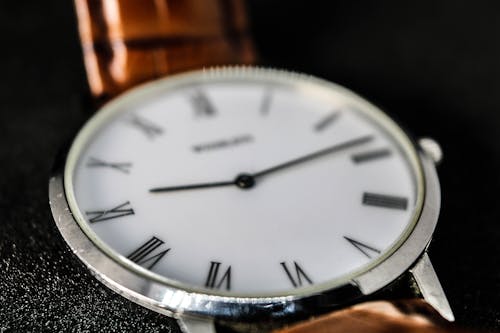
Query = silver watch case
x=173 y=301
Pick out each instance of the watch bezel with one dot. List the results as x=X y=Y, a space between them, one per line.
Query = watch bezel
x=172 y=300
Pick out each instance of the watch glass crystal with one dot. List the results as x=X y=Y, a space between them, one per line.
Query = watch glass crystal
x=245 y=182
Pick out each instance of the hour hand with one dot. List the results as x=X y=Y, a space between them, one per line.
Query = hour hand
x=243 y=181
x=190 y=187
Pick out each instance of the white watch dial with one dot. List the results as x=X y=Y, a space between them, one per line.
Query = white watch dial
x=248 y=183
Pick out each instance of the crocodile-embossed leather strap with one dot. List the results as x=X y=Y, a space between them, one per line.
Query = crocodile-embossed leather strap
x=407 y=316
x=126 y=42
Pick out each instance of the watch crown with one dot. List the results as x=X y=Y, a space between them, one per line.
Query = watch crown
x=432 y=149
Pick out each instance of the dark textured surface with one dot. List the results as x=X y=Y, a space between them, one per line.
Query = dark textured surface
x=432 y=64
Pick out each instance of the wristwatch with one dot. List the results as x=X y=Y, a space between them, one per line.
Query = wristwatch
x=242 y=198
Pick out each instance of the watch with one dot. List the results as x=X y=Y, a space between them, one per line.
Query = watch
x=240 y=197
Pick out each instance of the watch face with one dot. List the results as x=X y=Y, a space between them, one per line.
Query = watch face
x=244 y=182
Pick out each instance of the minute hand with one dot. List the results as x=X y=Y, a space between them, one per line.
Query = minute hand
x=330 y=150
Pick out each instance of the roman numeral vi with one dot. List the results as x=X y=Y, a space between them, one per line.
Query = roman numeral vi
x=299 y=277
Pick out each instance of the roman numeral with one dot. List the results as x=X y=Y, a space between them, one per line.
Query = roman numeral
x=103 y=215
x=368 y=156
x=265 y=106
x=300 y=276
x=147 y=253
x=326 y=121
x=213 y=281
x=202 y=105
x=150 y=129
x=96 y=163
x=367 y=250
x=385 y=201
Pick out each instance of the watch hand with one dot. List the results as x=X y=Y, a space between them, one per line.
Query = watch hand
x=330 y=150
x=190 y=187
x=246 y=181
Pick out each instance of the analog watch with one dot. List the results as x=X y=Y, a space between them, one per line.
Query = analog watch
x=240 y=196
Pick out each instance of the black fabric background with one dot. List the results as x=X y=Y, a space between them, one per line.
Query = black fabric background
x=434 y=65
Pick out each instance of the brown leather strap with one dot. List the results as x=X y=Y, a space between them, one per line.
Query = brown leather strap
x=126 y=42
x=409 y=316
